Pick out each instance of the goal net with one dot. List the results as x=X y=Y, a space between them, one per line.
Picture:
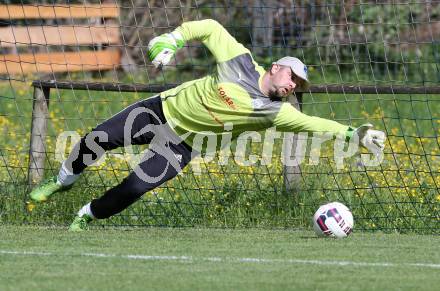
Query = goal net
x=369 y=61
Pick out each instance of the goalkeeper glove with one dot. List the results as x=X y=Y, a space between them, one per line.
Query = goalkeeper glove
x=373 y=140
x=162 y=48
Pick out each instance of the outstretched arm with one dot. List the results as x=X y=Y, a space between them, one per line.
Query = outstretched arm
x=291 y=120
x=211 y=33
x=214 y=36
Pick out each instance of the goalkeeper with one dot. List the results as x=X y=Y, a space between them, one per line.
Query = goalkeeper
x=240 y=96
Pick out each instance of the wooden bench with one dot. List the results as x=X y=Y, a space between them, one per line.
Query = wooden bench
x=75 y=46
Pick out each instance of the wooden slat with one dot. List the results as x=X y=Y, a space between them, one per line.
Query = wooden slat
x=59 y=62
x=58 y=11
x=13 y=36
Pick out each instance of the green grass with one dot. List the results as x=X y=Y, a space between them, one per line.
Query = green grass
x=34 y=258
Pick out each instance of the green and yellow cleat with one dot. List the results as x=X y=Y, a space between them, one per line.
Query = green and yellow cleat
x=80 y=223
x=46 y=188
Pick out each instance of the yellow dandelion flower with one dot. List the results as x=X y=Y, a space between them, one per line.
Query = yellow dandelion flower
x=30 y=206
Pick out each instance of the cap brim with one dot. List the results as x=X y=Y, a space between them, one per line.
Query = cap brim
x=305 y=84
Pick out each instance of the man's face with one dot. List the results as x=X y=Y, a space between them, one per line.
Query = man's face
x=284 y=81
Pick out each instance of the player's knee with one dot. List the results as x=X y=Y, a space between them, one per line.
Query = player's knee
x=100 y=138
x=100 y=132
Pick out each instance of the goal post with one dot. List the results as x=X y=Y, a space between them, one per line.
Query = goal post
x=368 y=62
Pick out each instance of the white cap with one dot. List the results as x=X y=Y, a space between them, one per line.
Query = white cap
x=298 y=68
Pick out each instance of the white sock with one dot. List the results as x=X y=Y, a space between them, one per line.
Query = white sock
x=86 y=210
x=66 y=177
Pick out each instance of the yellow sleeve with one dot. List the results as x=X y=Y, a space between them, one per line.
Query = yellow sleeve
x=214 y=36
x=289 y=119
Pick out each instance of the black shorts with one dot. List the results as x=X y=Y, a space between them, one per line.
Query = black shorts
x=140 y=123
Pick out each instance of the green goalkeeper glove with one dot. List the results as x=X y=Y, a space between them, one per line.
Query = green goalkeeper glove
x=373 y=140
x=162 y=48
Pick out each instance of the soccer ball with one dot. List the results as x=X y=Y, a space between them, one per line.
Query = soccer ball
x=333 y=219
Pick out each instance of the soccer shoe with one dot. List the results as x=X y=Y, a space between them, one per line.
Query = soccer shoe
x=46 y=188
x=80 y=223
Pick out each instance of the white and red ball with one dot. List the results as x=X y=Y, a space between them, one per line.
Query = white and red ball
x=333 y=219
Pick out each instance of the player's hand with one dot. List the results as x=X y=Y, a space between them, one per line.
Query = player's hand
x=373 y=140
x=162 y=48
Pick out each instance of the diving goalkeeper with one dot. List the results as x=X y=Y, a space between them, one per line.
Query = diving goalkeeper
x=240 y=96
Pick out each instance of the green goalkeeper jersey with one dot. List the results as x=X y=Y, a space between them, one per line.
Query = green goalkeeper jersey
x=231 y=100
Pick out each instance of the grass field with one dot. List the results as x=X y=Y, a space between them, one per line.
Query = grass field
x=213 y=259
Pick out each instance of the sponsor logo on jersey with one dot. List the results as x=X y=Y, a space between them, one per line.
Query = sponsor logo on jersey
x=226 y=98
